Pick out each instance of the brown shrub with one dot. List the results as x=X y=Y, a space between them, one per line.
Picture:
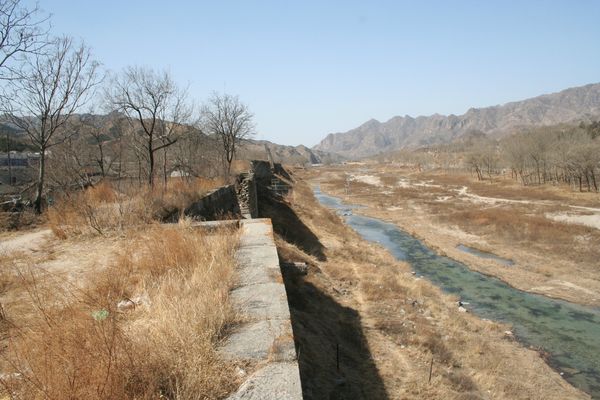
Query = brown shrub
x=432 y=341
x=104 y=208
x=381 y=285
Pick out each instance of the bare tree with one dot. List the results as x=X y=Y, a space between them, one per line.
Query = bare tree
x=229 y=121
x=197 y=155
x=555 y=154
x=89 y=153
x=152 y=101
x=92 y=131
x=70 y=164
x=482 y=157
x=22 y=31
x=515 y=155
x=50 y=88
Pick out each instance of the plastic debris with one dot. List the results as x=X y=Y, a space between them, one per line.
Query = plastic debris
x=100 y=315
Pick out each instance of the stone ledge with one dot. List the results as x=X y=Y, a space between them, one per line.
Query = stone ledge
x=266 y=337
x=262 y=340
x=262 y=300
x=275 y=381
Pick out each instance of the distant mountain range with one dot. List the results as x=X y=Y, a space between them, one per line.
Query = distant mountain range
x=374 y=137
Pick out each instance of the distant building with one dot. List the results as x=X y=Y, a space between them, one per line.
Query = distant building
x=179 y=174
x=20 y=171
x=18 y=159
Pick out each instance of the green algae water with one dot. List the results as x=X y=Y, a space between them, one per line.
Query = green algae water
x=570 y=333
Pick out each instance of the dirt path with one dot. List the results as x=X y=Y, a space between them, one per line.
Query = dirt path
x=588 y=216
x=464 y=193
x=592 y=220
x=70 y=261
x=27 y=242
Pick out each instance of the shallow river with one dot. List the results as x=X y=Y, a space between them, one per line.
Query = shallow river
x=569 y=332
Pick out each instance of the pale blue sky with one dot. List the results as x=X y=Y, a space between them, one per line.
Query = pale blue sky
x=309 y=68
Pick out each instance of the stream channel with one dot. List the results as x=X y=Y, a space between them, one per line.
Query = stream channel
x=569 y=333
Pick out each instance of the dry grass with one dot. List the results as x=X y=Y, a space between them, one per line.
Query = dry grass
x=108 y=207
x=77 y=343
x=515 y=225
x=521 y=226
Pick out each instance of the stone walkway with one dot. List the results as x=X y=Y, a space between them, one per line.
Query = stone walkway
x=266 y=337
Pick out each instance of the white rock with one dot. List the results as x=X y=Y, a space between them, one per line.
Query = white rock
x=136 y=301
x=9 y=376
x=125 y=305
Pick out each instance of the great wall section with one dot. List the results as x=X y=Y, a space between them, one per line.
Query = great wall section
x=265 y=339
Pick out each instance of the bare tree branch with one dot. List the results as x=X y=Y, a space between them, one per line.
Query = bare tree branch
x=153 y=101
x=50 y=88
x=22 y=31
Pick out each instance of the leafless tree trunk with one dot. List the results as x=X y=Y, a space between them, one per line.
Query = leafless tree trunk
x=558 y=154
x=71 y=163
x=229 y=121
x=10 y=178
x=91 y=128
x=49 y=90
x=164 y=167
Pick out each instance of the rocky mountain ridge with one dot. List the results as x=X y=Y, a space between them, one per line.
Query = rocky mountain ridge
x=374 y=137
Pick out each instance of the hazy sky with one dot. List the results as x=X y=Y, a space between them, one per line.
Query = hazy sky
x=309 y=68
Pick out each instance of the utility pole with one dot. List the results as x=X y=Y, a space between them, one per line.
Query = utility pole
x=10 y=179
x=348 y=185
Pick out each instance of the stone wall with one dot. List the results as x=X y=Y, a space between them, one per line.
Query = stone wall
x=240 y=199
x=262 y=169
x=246 y=193
x=216 y=203
x=265 y=341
